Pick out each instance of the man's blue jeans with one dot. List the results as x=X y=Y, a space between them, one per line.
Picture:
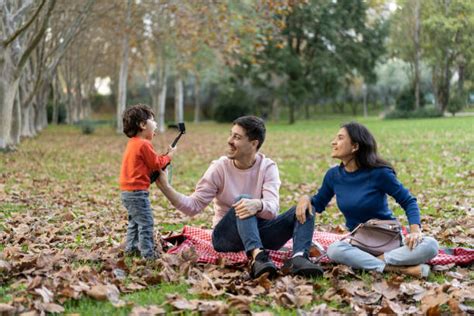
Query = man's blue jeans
x=140 y=223
x=232 y=234
x=345 y=253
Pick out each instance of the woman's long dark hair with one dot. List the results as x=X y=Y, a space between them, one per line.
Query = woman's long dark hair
x=366 y=156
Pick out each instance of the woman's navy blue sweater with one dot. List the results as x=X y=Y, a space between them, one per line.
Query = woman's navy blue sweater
x=362 y=195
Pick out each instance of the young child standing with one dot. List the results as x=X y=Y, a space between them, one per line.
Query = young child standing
x=139 y=160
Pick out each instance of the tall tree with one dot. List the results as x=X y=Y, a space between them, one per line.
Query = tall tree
x=18 y=39
x=324 y=43
x=122 y=87
x=405 y=37
x=447 y=42
x=416 y=40
x=31 y=49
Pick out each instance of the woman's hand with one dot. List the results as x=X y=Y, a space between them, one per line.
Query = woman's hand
x=414 y=237
x=303 y=206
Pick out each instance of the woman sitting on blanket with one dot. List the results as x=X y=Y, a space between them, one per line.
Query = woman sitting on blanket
x=361 y=184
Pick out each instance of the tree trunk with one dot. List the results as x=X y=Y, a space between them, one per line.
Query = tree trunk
x=40 y=120
x=306 y=111
x=87 y=102
x=442 y=78
x=462 y=75
x=69 y=104
x=122 y=88
x=26 y=113
x=445 y=89
x=417 y=54
x=31 y=120
x=37 y=118
x=364 y=100
x=178 y=99
x=16 y=124
x=8 y=90
x=162 y=100
x=55 y=116
x=276 y=110
x=78 y=100
x=353 y=105
x=197 y=103
x=291 y=115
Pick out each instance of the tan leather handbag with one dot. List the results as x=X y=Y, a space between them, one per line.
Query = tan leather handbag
x=377 y=236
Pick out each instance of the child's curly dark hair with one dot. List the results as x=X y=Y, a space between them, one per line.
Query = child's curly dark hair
x=133 y=116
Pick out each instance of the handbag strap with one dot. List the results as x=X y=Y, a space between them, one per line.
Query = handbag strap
x=378 y=246
x=324 y=253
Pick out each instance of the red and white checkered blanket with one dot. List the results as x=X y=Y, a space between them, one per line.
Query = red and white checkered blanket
x=200 y=240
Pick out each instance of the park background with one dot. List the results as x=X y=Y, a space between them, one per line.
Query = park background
x=69 y=69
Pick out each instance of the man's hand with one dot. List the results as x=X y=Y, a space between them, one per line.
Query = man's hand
x=303 y=206
x=414 y=237
x=171 y=151
x=162 y=181
x=245 y=208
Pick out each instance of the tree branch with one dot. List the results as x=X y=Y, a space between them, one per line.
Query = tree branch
x=36 y=39
x=22 y=10
x=25 y=26
x=67 y=39
x=38 y=80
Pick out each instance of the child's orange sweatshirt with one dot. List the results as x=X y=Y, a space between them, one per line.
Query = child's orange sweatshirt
x=139 y=160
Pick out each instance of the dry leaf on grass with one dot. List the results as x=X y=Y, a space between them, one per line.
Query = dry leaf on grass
x=240 y=303
x=6 y=308
x=150 y=310
x=53 y=308
x=4 y=266
x=387 y=290
x=433 y=299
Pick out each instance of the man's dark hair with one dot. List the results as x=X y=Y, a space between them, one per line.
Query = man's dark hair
x=254 y=128
x=132 y=117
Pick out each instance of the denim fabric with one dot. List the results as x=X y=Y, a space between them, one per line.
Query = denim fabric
x=140 y=223
x=232 y=234
x=345 y=253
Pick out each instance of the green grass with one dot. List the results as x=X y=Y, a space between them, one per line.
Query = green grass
x=155 y=295
x=9 y=208
x=5 y=296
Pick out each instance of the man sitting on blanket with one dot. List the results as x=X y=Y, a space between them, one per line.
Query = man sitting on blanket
x=245 y=188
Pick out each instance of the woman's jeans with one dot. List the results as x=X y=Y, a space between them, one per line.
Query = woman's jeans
x=140 y=223
x=232 y=234
x=345 y=253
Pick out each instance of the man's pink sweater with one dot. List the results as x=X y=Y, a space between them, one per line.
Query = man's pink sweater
x=223 y=183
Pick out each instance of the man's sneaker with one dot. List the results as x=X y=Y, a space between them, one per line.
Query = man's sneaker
x=301 y=265
x=262 y=264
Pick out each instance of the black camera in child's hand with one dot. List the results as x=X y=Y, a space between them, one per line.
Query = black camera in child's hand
x=182 y=130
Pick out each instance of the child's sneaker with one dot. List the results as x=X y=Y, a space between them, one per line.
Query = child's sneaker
x=132 y=253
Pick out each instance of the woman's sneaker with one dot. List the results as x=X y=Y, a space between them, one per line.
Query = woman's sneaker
x=262 y=264
x=301 y=265
x=420 y=271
